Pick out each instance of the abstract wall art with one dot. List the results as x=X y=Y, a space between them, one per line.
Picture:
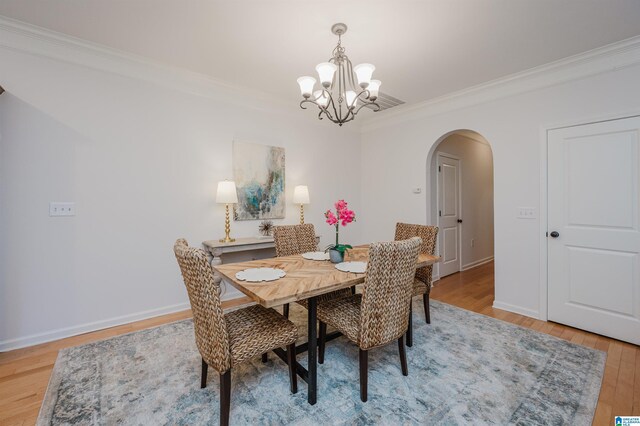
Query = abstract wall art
x=258 y=171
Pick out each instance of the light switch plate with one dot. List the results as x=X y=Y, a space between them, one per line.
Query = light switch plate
x=526 y=213
x=62 y=209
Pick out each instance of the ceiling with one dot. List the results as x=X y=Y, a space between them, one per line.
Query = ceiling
x=422 y=49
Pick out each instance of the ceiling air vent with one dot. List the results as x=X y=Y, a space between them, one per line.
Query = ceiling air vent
x=386 y=101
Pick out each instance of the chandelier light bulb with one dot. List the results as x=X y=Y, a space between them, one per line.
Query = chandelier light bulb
x=351 y=98
x=364 y=73
x=374 y=87
x=321 y=98
x=325 y=72
x=306 y=85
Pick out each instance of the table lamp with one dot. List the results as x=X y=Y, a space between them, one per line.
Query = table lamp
x=301 y=196
x=227 y=195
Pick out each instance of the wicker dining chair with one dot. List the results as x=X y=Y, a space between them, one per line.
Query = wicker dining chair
x=381 y=313
x=226 y=340
x=298 y=239
x=422 y=281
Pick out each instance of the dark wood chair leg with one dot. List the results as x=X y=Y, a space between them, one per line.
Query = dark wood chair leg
x=364 y=374
x=265 y=358
x=225 y=398
x=203 y=377
x=321 y=344
x=291 y=360
x=403 y=356
x=285 y=310
x=410 y=327
x=425 y=300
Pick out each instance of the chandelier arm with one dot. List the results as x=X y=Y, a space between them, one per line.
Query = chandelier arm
x=327 y=113
x=365 y=104
x=349 y=118
x=366 y=98
x=341 y=89
x=350 y=74
x=333 y=105
x=304 y=101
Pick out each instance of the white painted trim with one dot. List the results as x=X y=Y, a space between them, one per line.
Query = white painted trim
x=26 y=38
x=516 y=309
x=543 y=292
x=614 y=56
x=61 y=333
x=434 y=279
x=477 y=263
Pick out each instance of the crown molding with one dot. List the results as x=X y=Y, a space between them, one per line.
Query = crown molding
x=26 y=38
x=611 y=57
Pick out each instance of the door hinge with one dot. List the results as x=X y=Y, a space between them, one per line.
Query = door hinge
x=439 y=169
x=439 y=212
x=546 y=234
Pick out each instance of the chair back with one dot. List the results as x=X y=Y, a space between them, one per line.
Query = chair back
x=429 y=235
x=294 y=239
x=204 y=295
x=387 y=290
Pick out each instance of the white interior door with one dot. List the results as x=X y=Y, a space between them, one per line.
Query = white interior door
x=449 y=214
x=594 y=241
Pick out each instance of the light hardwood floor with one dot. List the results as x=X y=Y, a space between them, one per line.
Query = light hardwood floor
x=24 y=373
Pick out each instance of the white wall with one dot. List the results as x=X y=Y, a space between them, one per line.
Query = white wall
x=476 y=193
x=142 y=162
x=514 y=127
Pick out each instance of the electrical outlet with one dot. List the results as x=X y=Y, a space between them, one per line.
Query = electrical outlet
x=62 y=209
x=526 y=213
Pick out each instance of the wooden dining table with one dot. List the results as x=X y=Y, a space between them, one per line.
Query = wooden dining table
x=305 y=279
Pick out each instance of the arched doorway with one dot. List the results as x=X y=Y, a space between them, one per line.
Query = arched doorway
x=460 y=182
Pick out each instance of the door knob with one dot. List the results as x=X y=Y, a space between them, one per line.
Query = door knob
x=554 y=234
x=459 y=220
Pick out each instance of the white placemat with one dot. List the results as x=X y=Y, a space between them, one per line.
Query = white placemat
x=316 y=255
x=260 y=274
x=355 y=267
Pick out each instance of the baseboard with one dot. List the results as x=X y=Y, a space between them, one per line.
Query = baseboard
x=516 y=309
x=61 y=333
x=434 y=279
x=476 y=263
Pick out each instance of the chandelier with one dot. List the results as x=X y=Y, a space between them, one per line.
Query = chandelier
x=340 y=99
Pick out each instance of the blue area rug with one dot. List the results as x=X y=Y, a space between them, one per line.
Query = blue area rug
x=464 y=368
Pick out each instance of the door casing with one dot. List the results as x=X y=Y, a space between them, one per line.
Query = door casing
x=459 y=196
x=543 y=312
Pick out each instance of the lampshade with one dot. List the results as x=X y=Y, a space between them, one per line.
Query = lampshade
x=321 y=97
x=301 y=194
x=306 y=85
x=325 y=72
x=374 y=87
x=364 y=73
x=227 y=192
x=351 y=98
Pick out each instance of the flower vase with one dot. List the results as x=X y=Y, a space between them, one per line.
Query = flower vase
x=336 y=256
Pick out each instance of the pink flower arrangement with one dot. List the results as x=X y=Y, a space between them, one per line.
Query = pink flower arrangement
x=343 y=216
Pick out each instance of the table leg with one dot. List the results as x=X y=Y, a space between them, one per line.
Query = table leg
x=312 y=353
